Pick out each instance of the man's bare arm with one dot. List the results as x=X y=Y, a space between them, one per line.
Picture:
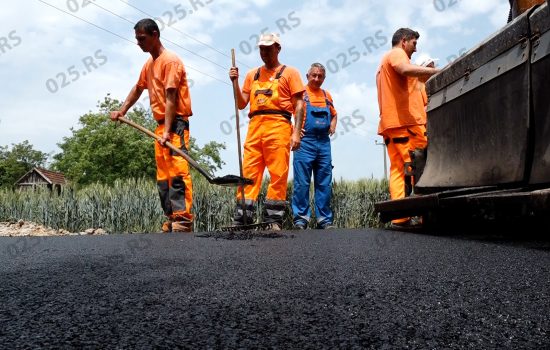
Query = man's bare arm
x=298 y=103
x=132 y=97
x=242 y=98
x=412 y=70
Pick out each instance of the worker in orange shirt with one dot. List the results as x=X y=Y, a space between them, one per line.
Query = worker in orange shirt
x=164 y=76
x=314 y=156
x=275 y=94
x=402 y=112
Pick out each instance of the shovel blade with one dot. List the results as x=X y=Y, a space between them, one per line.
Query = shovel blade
x=231 y=180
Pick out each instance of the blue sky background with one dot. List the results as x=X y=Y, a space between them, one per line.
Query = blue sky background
x=54 y=67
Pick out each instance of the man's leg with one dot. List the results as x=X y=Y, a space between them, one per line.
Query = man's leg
x=163 y=182
x=276 y=151
x=302 y=166
x=397 y=141
x=181 y=188
x=253 y=168
x=322 y=179
x=418 y=140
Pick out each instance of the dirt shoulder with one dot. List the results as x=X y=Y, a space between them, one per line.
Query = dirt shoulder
x=27 y=228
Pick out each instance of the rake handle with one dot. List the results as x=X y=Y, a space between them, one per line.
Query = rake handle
x=190 y=160
x=237 y=122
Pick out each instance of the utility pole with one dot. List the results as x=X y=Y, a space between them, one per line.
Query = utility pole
x=383 y=155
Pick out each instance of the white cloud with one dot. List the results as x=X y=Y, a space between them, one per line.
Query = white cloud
x=355 y=101
x=52 y=41
x=321 y=22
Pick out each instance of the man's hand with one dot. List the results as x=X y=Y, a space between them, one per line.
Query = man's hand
x=165 y=137
x=241 y=97
x=233 y=73
x=298 y=103
x=332 y=128
x=295 y=140
x=115 y=115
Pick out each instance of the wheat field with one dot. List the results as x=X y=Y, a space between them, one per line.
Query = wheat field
x=132 y=205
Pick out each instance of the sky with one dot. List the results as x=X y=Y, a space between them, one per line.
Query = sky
x=58 y=58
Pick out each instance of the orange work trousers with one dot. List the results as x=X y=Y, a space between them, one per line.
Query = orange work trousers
x=399 y=142
x=173 y=177
x=267 y=145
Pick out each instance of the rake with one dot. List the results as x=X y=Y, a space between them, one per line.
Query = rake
x=227 y=180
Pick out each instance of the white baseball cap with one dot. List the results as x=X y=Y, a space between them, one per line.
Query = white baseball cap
x=269 y=39
x=425 y=60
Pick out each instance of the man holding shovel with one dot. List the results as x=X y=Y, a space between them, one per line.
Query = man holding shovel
x=164 y=76
x=275 y=94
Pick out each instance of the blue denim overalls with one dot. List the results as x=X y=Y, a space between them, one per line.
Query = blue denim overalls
x=313 y=156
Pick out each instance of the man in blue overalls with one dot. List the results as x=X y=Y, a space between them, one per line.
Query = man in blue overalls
x=314 y=155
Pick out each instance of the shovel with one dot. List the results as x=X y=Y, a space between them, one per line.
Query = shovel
x=227 y=180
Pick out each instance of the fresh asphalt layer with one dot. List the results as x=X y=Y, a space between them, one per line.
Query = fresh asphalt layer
x=314 y=289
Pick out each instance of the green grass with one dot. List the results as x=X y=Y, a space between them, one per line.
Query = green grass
x=133 y=205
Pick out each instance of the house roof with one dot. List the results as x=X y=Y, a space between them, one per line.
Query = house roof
x=52 y=177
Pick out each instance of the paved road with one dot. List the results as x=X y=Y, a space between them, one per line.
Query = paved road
x=339 y=289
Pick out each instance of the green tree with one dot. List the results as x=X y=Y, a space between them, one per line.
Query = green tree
x=103 y=151
x=16 y=162
x=209 y=156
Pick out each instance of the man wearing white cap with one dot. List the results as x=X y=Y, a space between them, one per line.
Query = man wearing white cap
x=275 y=93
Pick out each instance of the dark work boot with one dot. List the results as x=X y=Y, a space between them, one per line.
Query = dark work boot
x=274 y=210
x=182 y=226
x=238 y=217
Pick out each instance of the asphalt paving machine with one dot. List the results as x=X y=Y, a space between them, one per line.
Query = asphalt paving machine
x=488 y=152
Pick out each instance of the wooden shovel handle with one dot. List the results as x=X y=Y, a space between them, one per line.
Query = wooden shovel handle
x=190 y=160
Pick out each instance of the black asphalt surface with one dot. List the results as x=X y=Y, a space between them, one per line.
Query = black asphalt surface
x=305 y=290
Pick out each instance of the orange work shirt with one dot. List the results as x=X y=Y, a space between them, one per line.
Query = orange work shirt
x=290 y=84
x=399 y=99
x=317 y=99
x=165 y=72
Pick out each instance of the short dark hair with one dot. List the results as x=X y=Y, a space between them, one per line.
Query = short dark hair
x=317 y=65
x=404 y=33
x=148 y=25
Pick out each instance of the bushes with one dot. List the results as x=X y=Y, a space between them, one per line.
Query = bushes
x=133 y=205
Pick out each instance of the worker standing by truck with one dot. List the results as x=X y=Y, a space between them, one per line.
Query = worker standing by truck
x=402 y=112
